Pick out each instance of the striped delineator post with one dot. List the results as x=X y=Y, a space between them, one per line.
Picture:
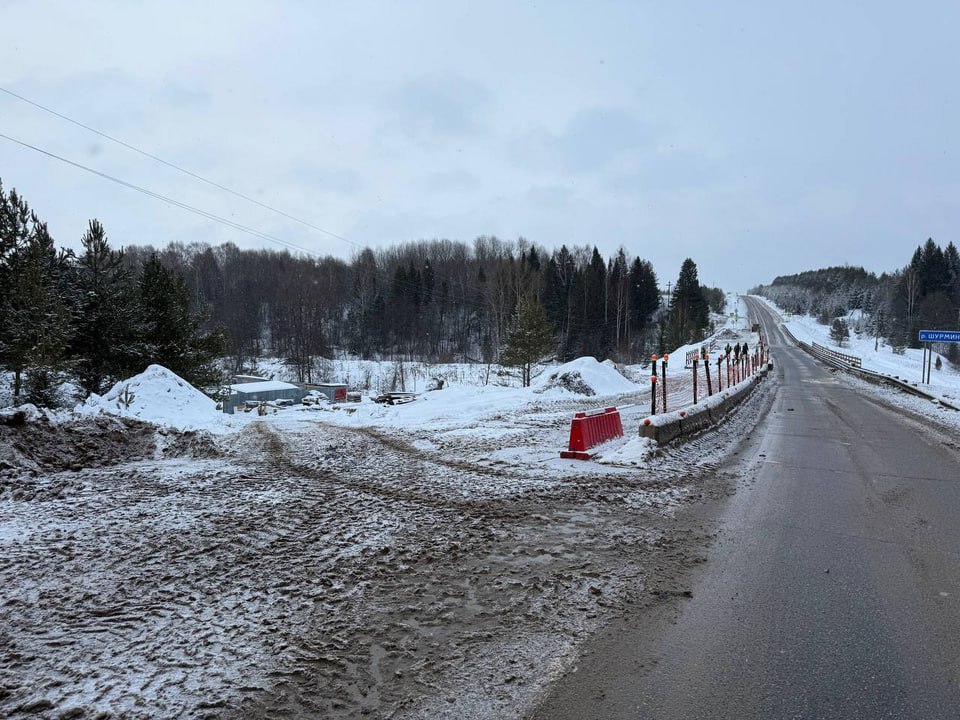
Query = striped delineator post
x=696 y=361
x=663 y=384
x=653 y=387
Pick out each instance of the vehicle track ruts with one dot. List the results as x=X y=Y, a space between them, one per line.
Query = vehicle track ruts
x=329 y=572
x=280 y=455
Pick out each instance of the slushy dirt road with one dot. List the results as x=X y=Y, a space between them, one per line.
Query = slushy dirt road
x=310 y=570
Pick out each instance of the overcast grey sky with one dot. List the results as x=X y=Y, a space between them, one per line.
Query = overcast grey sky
x=758 y=138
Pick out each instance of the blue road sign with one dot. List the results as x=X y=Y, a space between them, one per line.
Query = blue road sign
x=944 y=336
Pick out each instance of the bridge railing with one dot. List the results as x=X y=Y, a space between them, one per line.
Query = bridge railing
x=851 y=360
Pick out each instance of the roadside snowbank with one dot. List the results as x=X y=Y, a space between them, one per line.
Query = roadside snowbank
x=636 y=452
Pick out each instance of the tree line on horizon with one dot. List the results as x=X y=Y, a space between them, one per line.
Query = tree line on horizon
x=922 y=295
x=103 y=314
x=437 y=300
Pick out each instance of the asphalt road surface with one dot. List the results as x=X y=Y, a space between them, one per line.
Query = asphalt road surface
x=833 y=590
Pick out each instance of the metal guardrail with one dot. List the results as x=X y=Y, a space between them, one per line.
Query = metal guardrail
x=851 y=360
x=786 y=331
x=869 y=375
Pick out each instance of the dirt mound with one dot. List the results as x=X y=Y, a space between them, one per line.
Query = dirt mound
x=569 y=381
x=189 y=444
x=31 y=444
x=585 y=376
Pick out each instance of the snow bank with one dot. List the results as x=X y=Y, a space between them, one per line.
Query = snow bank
x=636 y=452
x=159 y=396
x=585 y=376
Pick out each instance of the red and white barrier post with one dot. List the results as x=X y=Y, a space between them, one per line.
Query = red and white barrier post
x=653 y=387
x=706 y=371
x=664 y=383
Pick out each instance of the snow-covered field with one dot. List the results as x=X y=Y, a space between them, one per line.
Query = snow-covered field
x=435 y=559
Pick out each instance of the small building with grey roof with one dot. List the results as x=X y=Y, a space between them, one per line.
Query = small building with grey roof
x=262 y=391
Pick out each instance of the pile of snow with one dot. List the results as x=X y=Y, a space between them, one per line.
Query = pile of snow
x=585 y=376
x=159 y=396
x=635 y=453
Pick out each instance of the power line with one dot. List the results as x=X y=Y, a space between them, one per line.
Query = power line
x=230 y=223
x=164 y=198
x=178 y=168
x=198 y=211
x=203 y=213
x=578 y=325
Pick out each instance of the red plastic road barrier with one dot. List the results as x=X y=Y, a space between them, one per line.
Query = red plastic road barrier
x=590 y=429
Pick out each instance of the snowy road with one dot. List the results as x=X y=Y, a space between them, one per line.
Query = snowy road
x=831 y=592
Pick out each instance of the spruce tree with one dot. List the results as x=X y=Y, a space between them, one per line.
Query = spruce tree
x=689 y=314
x=952 y=258
x=530 y=338
x=105 y=344
x=595 y=332
x=171 y=332
x=839 y=331
x=644 y=294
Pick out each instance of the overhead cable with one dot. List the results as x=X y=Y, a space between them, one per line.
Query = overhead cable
x=164 y=198
x=178 y=168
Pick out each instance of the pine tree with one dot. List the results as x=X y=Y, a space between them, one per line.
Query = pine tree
x=36 y=318
x=16 y=221
x=172 y=335
x=105 y=343
x=530 y=339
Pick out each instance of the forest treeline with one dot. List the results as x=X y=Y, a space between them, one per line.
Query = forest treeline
x=924 y=294
x=435 y=300
x=102 y=314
